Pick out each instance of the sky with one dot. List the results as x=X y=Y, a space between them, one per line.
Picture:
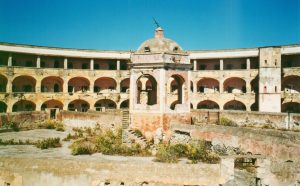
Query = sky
x=125 y=24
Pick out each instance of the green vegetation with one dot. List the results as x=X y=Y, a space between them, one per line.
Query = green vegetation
x=226 y=122
x=48 y=143
x=89 y=141
x=51 y=124
x=197 y=152
x=12 y=142
x=12 y=125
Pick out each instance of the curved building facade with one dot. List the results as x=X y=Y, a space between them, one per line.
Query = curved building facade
x=263 y=79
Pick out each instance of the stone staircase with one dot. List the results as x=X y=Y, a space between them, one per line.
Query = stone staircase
x=134 y=137
x=125 y=125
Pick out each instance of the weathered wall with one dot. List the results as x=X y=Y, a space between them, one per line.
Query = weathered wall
x=67 y=172
x=23 y=118
x=279 y=120
x=90 y=119
x=149 y=125
x=282 y=145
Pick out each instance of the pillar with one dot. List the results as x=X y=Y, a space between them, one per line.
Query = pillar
x=221 y=85
x=9 y=62
x=248 y=86
x=91 y=86
x=65 y=86
x=38 y=86
x=9 y=86
x=38 y=62
x=118 y=88
x=221 y=64
x=118 y=64
x=65 y=63
x=195 y=65
x=92 y=64
x=248 y=64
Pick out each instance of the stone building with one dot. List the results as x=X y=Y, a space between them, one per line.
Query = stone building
x=158 y=78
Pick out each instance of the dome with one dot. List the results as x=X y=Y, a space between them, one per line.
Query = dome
x=159 y=44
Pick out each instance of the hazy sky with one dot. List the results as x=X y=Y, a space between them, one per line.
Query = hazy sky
x=125 y=24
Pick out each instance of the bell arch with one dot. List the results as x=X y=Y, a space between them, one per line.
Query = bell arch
x=146 y=90
x=79 y=105
x=23 y=105
x=234 y=105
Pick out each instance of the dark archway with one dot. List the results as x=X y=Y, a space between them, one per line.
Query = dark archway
x=234 y=105
x=235 y=85
x=208 y=104
x=78 y=84
x=208 y=85
x=23 y=105
x=52 y=84
x=125 y=104
x=107 y=103
x=52 y=104
x=24 y=84
x=146 y=90
x=79 y=105
x=3 y=107
x=3 y=83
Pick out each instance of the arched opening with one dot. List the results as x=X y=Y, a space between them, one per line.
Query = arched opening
x=125 y=85
x=176 y=87
x=254 y=85
x=254 y=107
x=52 y=104
x=146 y=90
x=23 y=105
x=125 y=104
x=3 y=107
x=191 y=105
x=235 y=85
x=23 y=84
x=208 y=104
x=106 y=103
x=292 y=107
x=78 y=84
x=52 y=84
x=79 y=105
x=291 y=84
x=173 y=105
x=234 y=105
x=208 y=85
x=3 y=83
x=105 y=84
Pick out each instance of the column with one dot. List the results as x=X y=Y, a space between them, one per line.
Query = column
x=195 y=65
x=221 y=64
x=65 y=63
x=65 y=86
x=118 y=64
x=118 y=88
x=91 y=86
x=92 y=64
x=9 y=62
x=38 y=62
x=9 y=86
x=248 y=86
x=221 y=86
x=38 y=86
x=248 y=64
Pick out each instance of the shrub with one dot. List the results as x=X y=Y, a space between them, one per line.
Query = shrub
x=166 y=154
x=226 y=122
x=138 y=132
x=12 y=142
x=13 y=125
x=48 y=143
x=82 y=146
x=268 y=126
x=52 y=124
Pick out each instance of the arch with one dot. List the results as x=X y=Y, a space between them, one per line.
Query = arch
x=254 y=107
x=79 y=105
x=208 y=104
x=234 y=105
x=254 y=85
x=107 y=103
x=208 y=85
x=77 y=84
x=146 y=90
x=52 y=103
x=173 y=105
x=3 y=83
x=291 y=84
x=3 y=107
x=125 y=104
x=235 y=85
x=176 y=87
x=105 y=84
x=293 y=107
x=124 y=85
x=23 y=105
x=23 y=83
x=52 y=84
